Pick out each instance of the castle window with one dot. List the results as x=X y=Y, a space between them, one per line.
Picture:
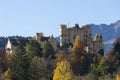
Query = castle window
x=65 y=40
x=68 y=35
x=68 y=40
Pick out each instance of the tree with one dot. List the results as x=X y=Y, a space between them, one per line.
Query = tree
x=63 y=70
x=7 y=74
x=18 y=65
x=78 y=46
x=99 y=71
x=3 y=65
x=48 y=50
x=79 y=61
x=33 y=49
x=60 y=56
x=117 y=53
x=94 y=73
x=38 y=69
x=118 y=74
x=103 y=68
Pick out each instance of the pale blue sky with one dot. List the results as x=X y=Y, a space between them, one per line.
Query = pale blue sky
x=26 y=17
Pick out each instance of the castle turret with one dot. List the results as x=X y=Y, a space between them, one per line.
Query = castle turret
x=98 y=41
x=38 y=37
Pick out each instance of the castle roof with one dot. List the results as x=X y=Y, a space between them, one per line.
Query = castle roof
x=76 y=26
x=44 y=38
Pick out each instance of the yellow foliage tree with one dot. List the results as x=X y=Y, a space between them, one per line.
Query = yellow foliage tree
x=118 y=74
x=118 y=77
x=63 y=71
x=78 y=45
x=7 y=74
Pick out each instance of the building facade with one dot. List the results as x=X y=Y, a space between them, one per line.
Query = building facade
x=68 y=35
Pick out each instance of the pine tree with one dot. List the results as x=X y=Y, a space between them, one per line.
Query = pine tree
x=99 y=71
x=18 y=65
x=33 y=49
x=48 y=50
x=38 y=68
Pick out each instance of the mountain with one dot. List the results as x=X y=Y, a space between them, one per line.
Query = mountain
x=109 y=32
x=58 y=39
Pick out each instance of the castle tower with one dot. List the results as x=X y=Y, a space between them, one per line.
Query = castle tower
x=98 y=41
x=62 y=32
x=38 y=37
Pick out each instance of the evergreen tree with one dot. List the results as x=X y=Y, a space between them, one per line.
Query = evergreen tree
x=18 y=65
x=48 y=50
x=94 y=73
x=99 y=71
x=33 y=49
x=117 y=53
x=38 y=69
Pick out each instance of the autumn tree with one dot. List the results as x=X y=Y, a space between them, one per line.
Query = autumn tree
x=79 y=61
x=118 y=74
x=78 y=46
x=63 y=69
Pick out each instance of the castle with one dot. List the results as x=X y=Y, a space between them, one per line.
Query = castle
x=68 y=35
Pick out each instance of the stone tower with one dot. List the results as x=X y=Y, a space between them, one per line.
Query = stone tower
x=38 y=37
x=63 y=28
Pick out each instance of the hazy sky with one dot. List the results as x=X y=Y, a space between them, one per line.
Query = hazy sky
x=26 y=17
